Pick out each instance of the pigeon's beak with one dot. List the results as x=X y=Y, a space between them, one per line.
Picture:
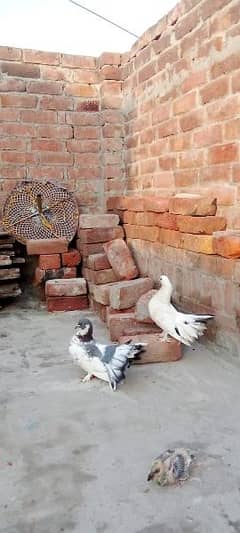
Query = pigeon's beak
x=150 y=476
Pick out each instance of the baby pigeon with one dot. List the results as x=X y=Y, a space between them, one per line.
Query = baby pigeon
x=104 y=361
x=184 y=327
x=171 y=467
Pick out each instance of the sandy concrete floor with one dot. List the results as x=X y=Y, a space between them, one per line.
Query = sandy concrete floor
x=75 y=457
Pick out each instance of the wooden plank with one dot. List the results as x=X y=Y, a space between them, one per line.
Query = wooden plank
x=5 y=260
x=9 y=273
x=18 y=260
x=6 y=240
x=12 y=289
x=7 y=252
x=6 y=246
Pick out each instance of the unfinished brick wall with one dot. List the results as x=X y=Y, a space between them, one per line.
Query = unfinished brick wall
x=61 y=119
x=182 y=104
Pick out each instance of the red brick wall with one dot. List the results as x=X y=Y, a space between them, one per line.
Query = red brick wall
x=182 y=104
x=60 y=118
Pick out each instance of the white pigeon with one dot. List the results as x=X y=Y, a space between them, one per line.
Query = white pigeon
x=183 y=327
x=107 y=362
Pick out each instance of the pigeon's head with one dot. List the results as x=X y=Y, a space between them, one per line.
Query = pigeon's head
x=84 y=329
x=165 y=281
x=157 y=472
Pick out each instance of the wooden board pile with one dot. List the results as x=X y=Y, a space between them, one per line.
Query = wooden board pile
x=10 y=262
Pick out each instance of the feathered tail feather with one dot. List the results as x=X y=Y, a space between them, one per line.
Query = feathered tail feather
x=120 y=361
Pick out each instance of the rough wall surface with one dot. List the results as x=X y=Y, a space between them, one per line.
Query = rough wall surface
x=60 y=118
x=182 y=104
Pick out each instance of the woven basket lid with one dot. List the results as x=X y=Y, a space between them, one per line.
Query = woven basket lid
x=40 y=210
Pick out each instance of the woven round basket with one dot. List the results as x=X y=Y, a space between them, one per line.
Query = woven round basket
x=40 y=210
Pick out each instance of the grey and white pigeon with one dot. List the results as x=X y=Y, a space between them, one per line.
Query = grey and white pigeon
x=183 y=327
x=171 y=467
x=104 y=361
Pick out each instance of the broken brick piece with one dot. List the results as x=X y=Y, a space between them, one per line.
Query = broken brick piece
x=98 y=221
x=120 y=259
x=71 y=258
x=49 y=261
x=67 y=303
x=125 y=294
x=66 y=287
x=156 y=351
x=98 y=262
x=227 y=243
x=193 y=205
x=125 y=324
x=46 y=246
x=99 y=276
x=97 y=235
x=142 y=312
x=100 y=293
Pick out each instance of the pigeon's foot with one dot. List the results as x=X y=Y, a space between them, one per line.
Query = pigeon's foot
x=164 y=337
x=87 y=378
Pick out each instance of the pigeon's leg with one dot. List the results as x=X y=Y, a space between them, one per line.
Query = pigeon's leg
x=87 y=378
x=164 y=337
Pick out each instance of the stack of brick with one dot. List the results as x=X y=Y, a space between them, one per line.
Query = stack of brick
x=66 y=294
x=183 y=237
x=55 y=260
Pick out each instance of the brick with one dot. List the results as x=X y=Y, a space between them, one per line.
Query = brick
x=170 y=127
x=12 y=144
x=100 y=277
x=109 y=58
x=10 y=84
x=59 y=103
x=46 y=262
x=223 y=153
x=45 y=87
x=148 y=233
x=184 y=103
x=225 y=194
x=215 y=89
x=120 y=259
x=98 y=308
x=39 y=56
x=147 y=72
x=232 y=129
x=56 y=132
x=98 y=262
x=83 y=146
x=46 y=246
x=168 y=57
x=91 y=106
x=191 y=120
x=9 y=53
x=156 y=351
x=71 y=258
x=195 y=79
x=39 y=117
x=227 y=243
x=200 y=225
x=5 y=260
x=126 y=293
x=134 y=203
x=18 y=100
x=101 y=293
x=209 y=9
x=86 y=132
x=20 y=70
x=236 y=82
x=142 y=312
x=84 y=91
x=208 y=136
x=66 y=287
x=67 y=303
x=55 y=158
x=158 y=205
x=98 y=221
x=228 y=64
x=192 y=205
x=20 y=158
x=39 y=276
x=110 y=72
x=9 y=115
x=187 y=24
x=47 y=145
x=80 y=62
x=122 y=324
x=202 y=244
x=88 y=249
x=97 y=235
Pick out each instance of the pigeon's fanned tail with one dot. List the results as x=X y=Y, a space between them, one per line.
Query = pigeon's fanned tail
x=121 y=359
